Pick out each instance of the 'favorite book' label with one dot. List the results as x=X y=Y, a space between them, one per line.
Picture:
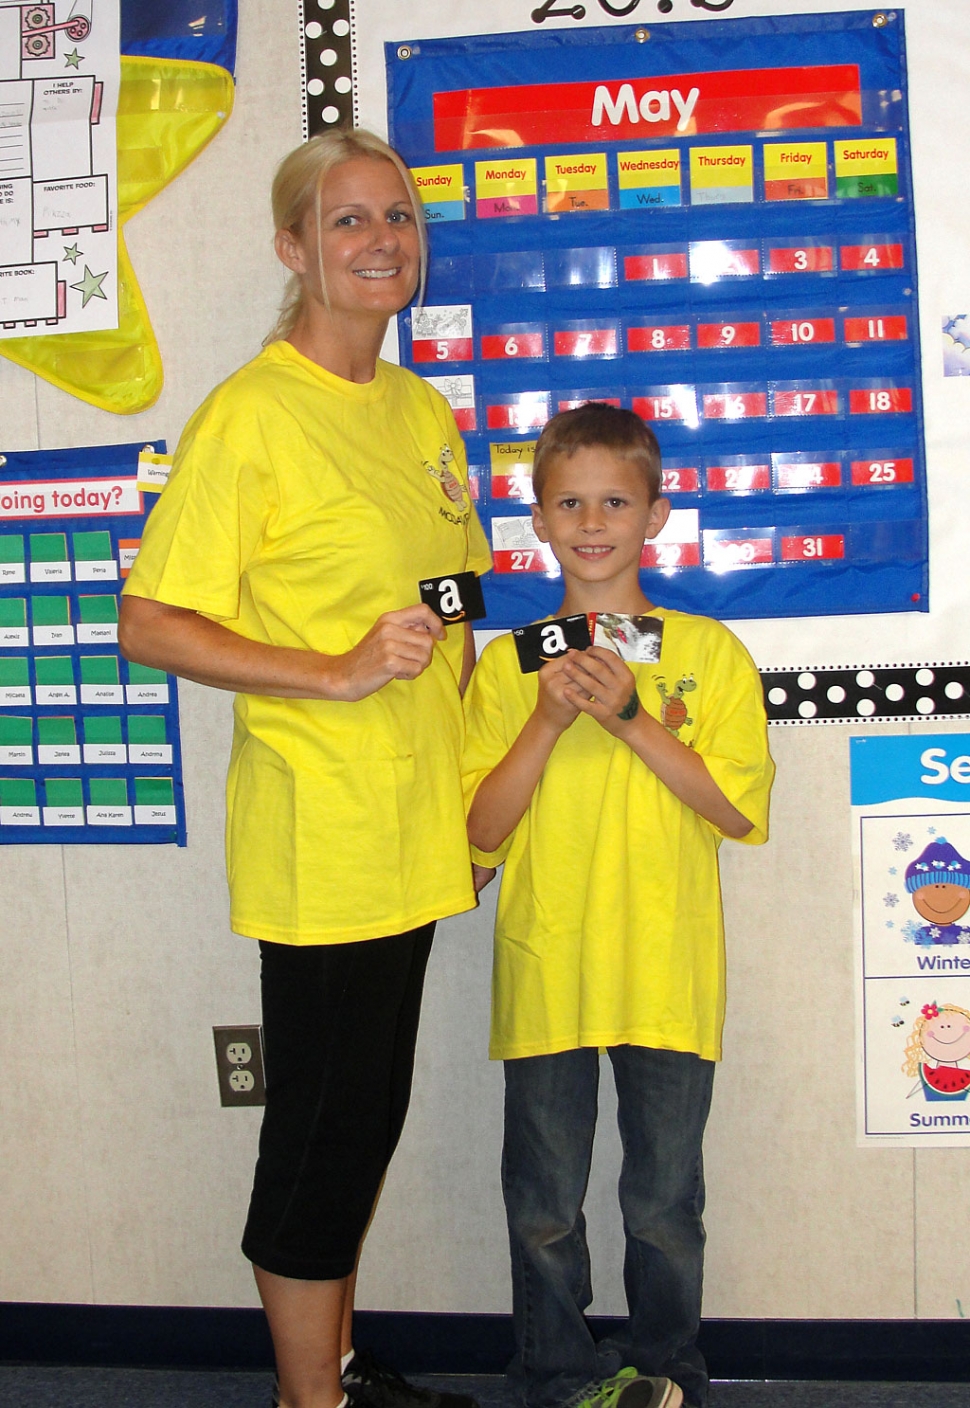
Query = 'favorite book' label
x=547 y=640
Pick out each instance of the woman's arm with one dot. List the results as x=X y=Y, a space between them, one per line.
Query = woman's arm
x=467 y=658
x=600 y=684
x=398 y=646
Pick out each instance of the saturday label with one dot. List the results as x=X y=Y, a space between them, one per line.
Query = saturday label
x=866 y=168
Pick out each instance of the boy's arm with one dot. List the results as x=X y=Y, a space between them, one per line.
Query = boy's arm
x=503 y=797
x=601 y=684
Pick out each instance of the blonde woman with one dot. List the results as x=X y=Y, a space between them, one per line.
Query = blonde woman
x=306 y=502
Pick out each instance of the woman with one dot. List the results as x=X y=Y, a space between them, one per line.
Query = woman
x=282 y=562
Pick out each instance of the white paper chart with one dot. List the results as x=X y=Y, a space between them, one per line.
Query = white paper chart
x=59 y=80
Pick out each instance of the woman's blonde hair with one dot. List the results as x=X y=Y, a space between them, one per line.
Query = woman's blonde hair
x=297 y=187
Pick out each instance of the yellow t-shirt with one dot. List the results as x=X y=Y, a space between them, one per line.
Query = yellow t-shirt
x=299 y=509
x=609 y=928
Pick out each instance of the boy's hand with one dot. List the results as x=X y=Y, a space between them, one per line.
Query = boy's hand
x=599 y=683
x=553 y=707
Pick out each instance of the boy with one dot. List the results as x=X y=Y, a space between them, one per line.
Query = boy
x=607 y=792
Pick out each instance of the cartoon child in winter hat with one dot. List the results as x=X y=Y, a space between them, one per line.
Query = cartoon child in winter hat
x=939 y=882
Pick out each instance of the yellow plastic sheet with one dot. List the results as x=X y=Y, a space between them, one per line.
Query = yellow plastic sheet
x=168 y=110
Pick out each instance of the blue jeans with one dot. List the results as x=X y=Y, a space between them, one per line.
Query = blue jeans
x=550 y=1115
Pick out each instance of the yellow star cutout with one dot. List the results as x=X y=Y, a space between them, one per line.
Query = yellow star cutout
x=167 y=112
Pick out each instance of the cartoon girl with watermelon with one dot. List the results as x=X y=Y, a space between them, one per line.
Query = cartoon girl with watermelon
x=939 y=1044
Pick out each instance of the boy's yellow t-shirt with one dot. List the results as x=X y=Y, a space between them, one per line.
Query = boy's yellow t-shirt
x=299 y=509
x=609 y=927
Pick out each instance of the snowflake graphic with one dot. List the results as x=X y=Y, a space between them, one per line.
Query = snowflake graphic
x=890 y=901
x=893 y=870
x=890 y=924
x=902 y=841
x=931 y=831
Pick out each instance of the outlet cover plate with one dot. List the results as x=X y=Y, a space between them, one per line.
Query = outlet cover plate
x=239 y=1062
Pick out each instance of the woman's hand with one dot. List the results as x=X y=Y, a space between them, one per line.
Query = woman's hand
x=398 y=646
x=598 y=683
x=482 y=875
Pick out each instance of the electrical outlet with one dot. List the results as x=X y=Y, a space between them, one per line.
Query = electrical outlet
x=239 y=1062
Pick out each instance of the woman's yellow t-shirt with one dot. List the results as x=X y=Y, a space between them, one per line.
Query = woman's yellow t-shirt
x=609 y=928
x=299 y=509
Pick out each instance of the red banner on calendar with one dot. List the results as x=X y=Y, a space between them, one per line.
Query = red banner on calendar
x=738 y=100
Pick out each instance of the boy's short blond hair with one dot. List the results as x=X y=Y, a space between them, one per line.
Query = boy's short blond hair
x=595 y=424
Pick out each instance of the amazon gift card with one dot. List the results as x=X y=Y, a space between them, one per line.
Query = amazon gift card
x=455 y=598
x=547 y=640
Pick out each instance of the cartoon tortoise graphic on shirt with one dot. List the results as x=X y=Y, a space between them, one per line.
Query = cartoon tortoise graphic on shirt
x=673 y=710
x=451 y=485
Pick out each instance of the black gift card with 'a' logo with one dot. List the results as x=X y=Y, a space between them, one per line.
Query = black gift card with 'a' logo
x=455 y=598
x=547 y=640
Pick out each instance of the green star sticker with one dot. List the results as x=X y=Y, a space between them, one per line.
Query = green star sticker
x=90 y=286
x=72 y=253
x=73 y=59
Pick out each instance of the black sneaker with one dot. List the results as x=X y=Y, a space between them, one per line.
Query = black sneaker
x=375 y=1385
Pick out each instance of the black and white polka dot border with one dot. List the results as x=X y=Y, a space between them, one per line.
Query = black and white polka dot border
x=857 y=694
x=327 y=68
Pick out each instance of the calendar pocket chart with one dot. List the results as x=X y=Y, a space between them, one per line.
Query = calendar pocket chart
x=89 y=743
x=710 y=224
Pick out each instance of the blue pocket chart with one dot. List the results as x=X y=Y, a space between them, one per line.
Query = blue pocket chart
x=712 y=226
x=89 y=744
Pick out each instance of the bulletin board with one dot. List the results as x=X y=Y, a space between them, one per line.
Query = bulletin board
x=714 y=227
x=89 y=743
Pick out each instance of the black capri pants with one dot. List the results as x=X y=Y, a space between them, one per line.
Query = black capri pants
x=340 y=1022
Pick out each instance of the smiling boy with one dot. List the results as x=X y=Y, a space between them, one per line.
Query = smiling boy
x=609 y=930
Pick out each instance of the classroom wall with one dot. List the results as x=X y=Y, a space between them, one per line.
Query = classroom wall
x=122 y=1180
